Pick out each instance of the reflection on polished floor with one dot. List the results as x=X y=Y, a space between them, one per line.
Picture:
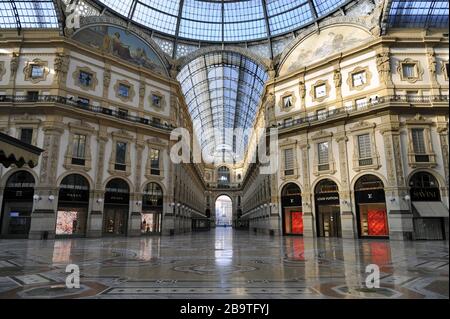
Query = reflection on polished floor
x=223 y=263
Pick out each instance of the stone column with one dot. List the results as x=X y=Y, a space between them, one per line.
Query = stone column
x=309 y=229
x=399 y=214
x=347 y=217
x=43 y=217
x=134 y=226
x=95 y=219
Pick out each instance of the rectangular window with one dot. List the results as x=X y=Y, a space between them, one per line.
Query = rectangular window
x=123 y=113
x=78 y=151
x=26 y=135
x=289 y=161
x=156 y=100
x=154 y=161
x=32 y=95
x=320 y=91
x=287 y=101
x=124 y=90
x=364 y=149
x=121 y=150
x=409 y=70
x=37 y=71
x=359 y=78
x=85 y=78
x=83 y=101
x=419 y=145
x=360 y=103
x=322 y=149
x=321 y=114
x=418 y=141
x=288 y=122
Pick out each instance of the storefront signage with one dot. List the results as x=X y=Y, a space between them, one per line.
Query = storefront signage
x=327 y=199
x=117 y=198
x=425 y=194
x=18 y=194
x=370 y=196
x=73 y=195
x=292 y=201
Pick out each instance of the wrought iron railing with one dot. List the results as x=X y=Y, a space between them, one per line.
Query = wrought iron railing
x=80 y=104
x=371 y=103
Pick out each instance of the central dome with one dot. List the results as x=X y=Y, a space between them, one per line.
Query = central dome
x=224 y=20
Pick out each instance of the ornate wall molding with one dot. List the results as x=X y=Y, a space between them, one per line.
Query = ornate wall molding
x=76 y=78
x=312 y=91
x=368 y=77
x=418 y=70
x=131 y=92
x=27 y=70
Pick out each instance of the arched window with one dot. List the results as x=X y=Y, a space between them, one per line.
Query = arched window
x=326 y=186
x=424 y=187
x=153 y=196
x=368 y=182
x=20 y=179
x=74 y=187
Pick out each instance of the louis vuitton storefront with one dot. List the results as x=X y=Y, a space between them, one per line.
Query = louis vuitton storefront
x=291 y=200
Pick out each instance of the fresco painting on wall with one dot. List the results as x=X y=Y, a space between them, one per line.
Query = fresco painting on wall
x=318 y=45
x=120 y=43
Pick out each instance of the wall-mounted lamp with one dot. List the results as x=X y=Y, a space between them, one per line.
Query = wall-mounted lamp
x=407 y=198
x=178 y=205
x=344 y=202
x=307 y=204
x=36 y=197
x=51 y=198
x=138 y=203
x=392 y=199
x=100 y=200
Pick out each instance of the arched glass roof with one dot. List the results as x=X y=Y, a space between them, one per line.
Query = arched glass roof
x=418 y=13
x=222 y=91
x=224 y=20
x=20 y=14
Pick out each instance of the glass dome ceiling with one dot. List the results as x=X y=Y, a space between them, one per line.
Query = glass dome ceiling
x=224 y=20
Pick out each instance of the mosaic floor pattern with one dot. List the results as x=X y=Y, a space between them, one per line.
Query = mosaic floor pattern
x=223 y=263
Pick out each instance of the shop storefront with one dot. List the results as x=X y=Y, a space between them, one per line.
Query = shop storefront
x=328 y=213
x=73 y=203
x=291 y=201
x=17 y=205
x=371 y=210
x=430 y=214
x=152 y=208
x=116 y=209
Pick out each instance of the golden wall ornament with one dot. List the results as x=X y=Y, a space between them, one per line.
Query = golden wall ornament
x=130 y=87
x=282 y=98
x=27 y=70
x=76 y=77
x=312 y=91
x=418 y=70
x=367 y=74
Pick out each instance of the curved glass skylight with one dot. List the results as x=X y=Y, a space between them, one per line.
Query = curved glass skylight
x=28 y=14
x=222 y=91
x=418 y=13
x=224 y=20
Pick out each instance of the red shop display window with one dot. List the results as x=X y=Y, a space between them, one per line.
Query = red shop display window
x=297 y=222
x=373 y=219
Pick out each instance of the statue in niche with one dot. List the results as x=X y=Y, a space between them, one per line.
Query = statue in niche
x=302 y=89
x=383 y=66
x=14 y=64
x=61 y=66
x=337 y=77
x=431 y=63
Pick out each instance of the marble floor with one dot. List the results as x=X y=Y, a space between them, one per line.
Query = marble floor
x=223 y=263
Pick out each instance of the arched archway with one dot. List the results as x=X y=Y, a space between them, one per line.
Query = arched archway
x=328 y=212
x=292 y=212
x=152 y=208
x=17 y=204
x=429 y=214
x=117 y=202
x=73 y=204
x=224 y=211
x=370 y=202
